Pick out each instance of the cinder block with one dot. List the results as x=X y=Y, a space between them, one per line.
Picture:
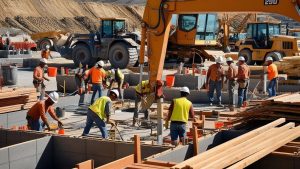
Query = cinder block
x=3 y=138
x=134 y=78
x=148 y=150
x=24 y=163
x=100 y=148
x=190 y=81
x=45 y=160
x=4 y=166
x=22 y=150
x=100 y=160
x=123 y=149
x=4 y=156
x=65 y=159
x=43 y=144
x=12 y=137
x=68 y=144
x=3 y=120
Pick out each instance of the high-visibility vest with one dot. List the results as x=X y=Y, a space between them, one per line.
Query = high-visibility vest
x=120 y=74
x=98 y=106
x=181 y=109
x=145 y=87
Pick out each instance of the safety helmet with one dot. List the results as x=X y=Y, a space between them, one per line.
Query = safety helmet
x=100 y=63
x=269 y=59
x=116 y=92
x=185 y=90
x=219 y=59
x=44 y=60
x=229 y=59
x=54 y=97
x=241 y=58
x=47 y=46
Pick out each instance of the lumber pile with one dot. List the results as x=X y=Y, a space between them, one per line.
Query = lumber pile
x=14 y=99
x=290 y=66
x=246 y=149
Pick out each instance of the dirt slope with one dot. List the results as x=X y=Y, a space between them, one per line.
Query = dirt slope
x=71 y=15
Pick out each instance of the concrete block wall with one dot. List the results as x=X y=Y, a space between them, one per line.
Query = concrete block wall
x=8 y=120
x=190 y=81
x=70 y=83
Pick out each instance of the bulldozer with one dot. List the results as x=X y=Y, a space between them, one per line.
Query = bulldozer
x=264 y=40
x=111 y=42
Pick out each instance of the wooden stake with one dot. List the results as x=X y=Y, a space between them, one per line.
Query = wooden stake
x=137 y=149
x=195 y=140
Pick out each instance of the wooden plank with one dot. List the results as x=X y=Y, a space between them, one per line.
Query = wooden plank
x=137 y=149
x=195 y=140
x=120 y=163
x=160 y=163
x=89 y=164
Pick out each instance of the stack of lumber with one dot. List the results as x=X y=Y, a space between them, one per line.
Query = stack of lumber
x=14 y=99
x=286 y=106
x=246 y=149
x=290 y=66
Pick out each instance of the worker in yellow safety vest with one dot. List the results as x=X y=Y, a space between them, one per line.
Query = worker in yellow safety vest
x=181 y=109
x=99 y=111
x=141 y=90
x=117 y=76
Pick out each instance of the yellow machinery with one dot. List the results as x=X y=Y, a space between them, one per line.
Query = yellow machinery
x=50 y=38
x=264 y=40
x=294 y=32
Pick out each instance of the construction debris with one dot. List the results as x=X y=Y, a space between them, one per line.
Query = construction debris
x=290 y=66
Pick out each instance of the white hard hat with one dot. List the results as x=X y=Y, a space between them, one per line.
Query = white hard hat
x=241 y=58
x=269 y=59
x=185 y=89
x=115 y=92
x=44 y=60
x=54 y=97
x=219 y=59
x=229 y=59
x=47 y=47
x=112 y=71
x=100 y=63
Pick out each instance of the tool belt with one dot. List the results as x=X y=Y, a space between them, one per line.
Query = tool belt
x=37 y=83
x=243 y=83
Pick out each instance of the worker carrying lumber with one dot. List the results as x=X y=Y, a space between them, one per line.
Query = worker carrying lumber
x=117 y=77
x=81 y=83
x=243 y=81
x=272 y=76
x=231 y=81
x=141 y=90
x=99 y=111
x=46 y=53
x=97 y=76
x=214 y=81
x=180 y=110
x=39 y=110
x=39 y=77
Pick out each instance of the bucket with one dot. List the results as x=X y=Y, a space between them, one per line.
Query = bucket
x=52 y=71
x=61 y=131
x=170 y=79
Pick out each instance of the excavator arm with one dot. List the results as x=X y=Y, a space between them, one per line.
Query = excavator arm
x=157 y=22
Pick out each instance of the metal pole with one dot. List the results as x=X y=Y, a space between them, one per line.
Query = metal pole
x=160 y=121
x=265 y=80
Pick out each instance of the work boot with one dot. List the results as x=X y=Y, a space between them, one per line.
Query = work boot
x=245 y=104
x=220 y=105
x=210 y=104
x=134 y=122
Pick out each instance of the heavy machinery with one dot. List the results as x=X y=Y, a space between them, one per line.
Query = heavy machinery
x=51 y=38
x=112 y=42
x=294 y=32
x=264 y=40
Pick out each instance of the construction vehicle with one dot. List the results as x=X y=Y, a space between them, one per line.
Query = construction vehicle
x=264 y=40
x=112 y=42
x=156 y=25
x=294 y=32
x=51 y=38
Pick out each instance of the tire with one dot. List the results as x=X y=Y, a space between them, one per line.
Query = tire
x=275 y=55
x=44 y=42
x=247 y=55
x=121 y=55
x=82 y=54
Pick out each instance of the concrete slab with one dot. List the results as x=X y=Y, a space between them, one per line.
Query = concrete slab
x=4 y=166
x=24 y=163
x=4 y=156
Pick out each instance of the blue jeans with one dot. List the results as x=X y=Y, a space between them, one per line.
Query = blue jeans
x=242 y=94
x=177 y=129
x=35 y=125
x=96 y=88
x=91 y=118
x=215 y=85
x=272 y=87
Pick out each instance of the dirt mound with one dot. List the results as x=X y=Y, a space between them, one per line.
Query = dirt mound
x=88 y=23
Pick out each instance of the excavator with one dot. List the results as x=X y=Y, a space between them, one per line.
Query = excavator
x=157 y=17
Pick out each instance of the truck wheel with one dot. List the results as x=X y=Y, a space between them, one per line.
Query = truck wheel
x=81 y=54
x=275 y=55
x=247 y=55
x=44 y=42
x=121 y=55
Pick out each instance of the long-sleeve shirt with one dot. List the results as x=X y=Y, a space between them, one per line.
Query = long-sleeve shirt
x=39 y=110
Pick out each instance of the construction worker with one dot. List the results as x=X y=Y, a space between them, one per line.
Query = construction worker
x=39 y=110
x=99 y=111
x=243 y=81
x=117 y=76
x=46 y=53
x=272 y=76
x=214 y=81
x=97 y=75
x=231 y=80
x=180 y=110
x=39 y=77
x=141 y=90
x=80 y=83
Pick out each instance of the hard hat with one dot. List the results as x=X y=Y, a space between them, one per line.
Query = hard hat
x=185 y=90
x=269 y=59
x=44 y=60
x=116 y=92
x=100 y=63
x=241 y=58
x=47 y=47
x=229 y=59
x=54 y=97
x=219 y=59
x=112 y=71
